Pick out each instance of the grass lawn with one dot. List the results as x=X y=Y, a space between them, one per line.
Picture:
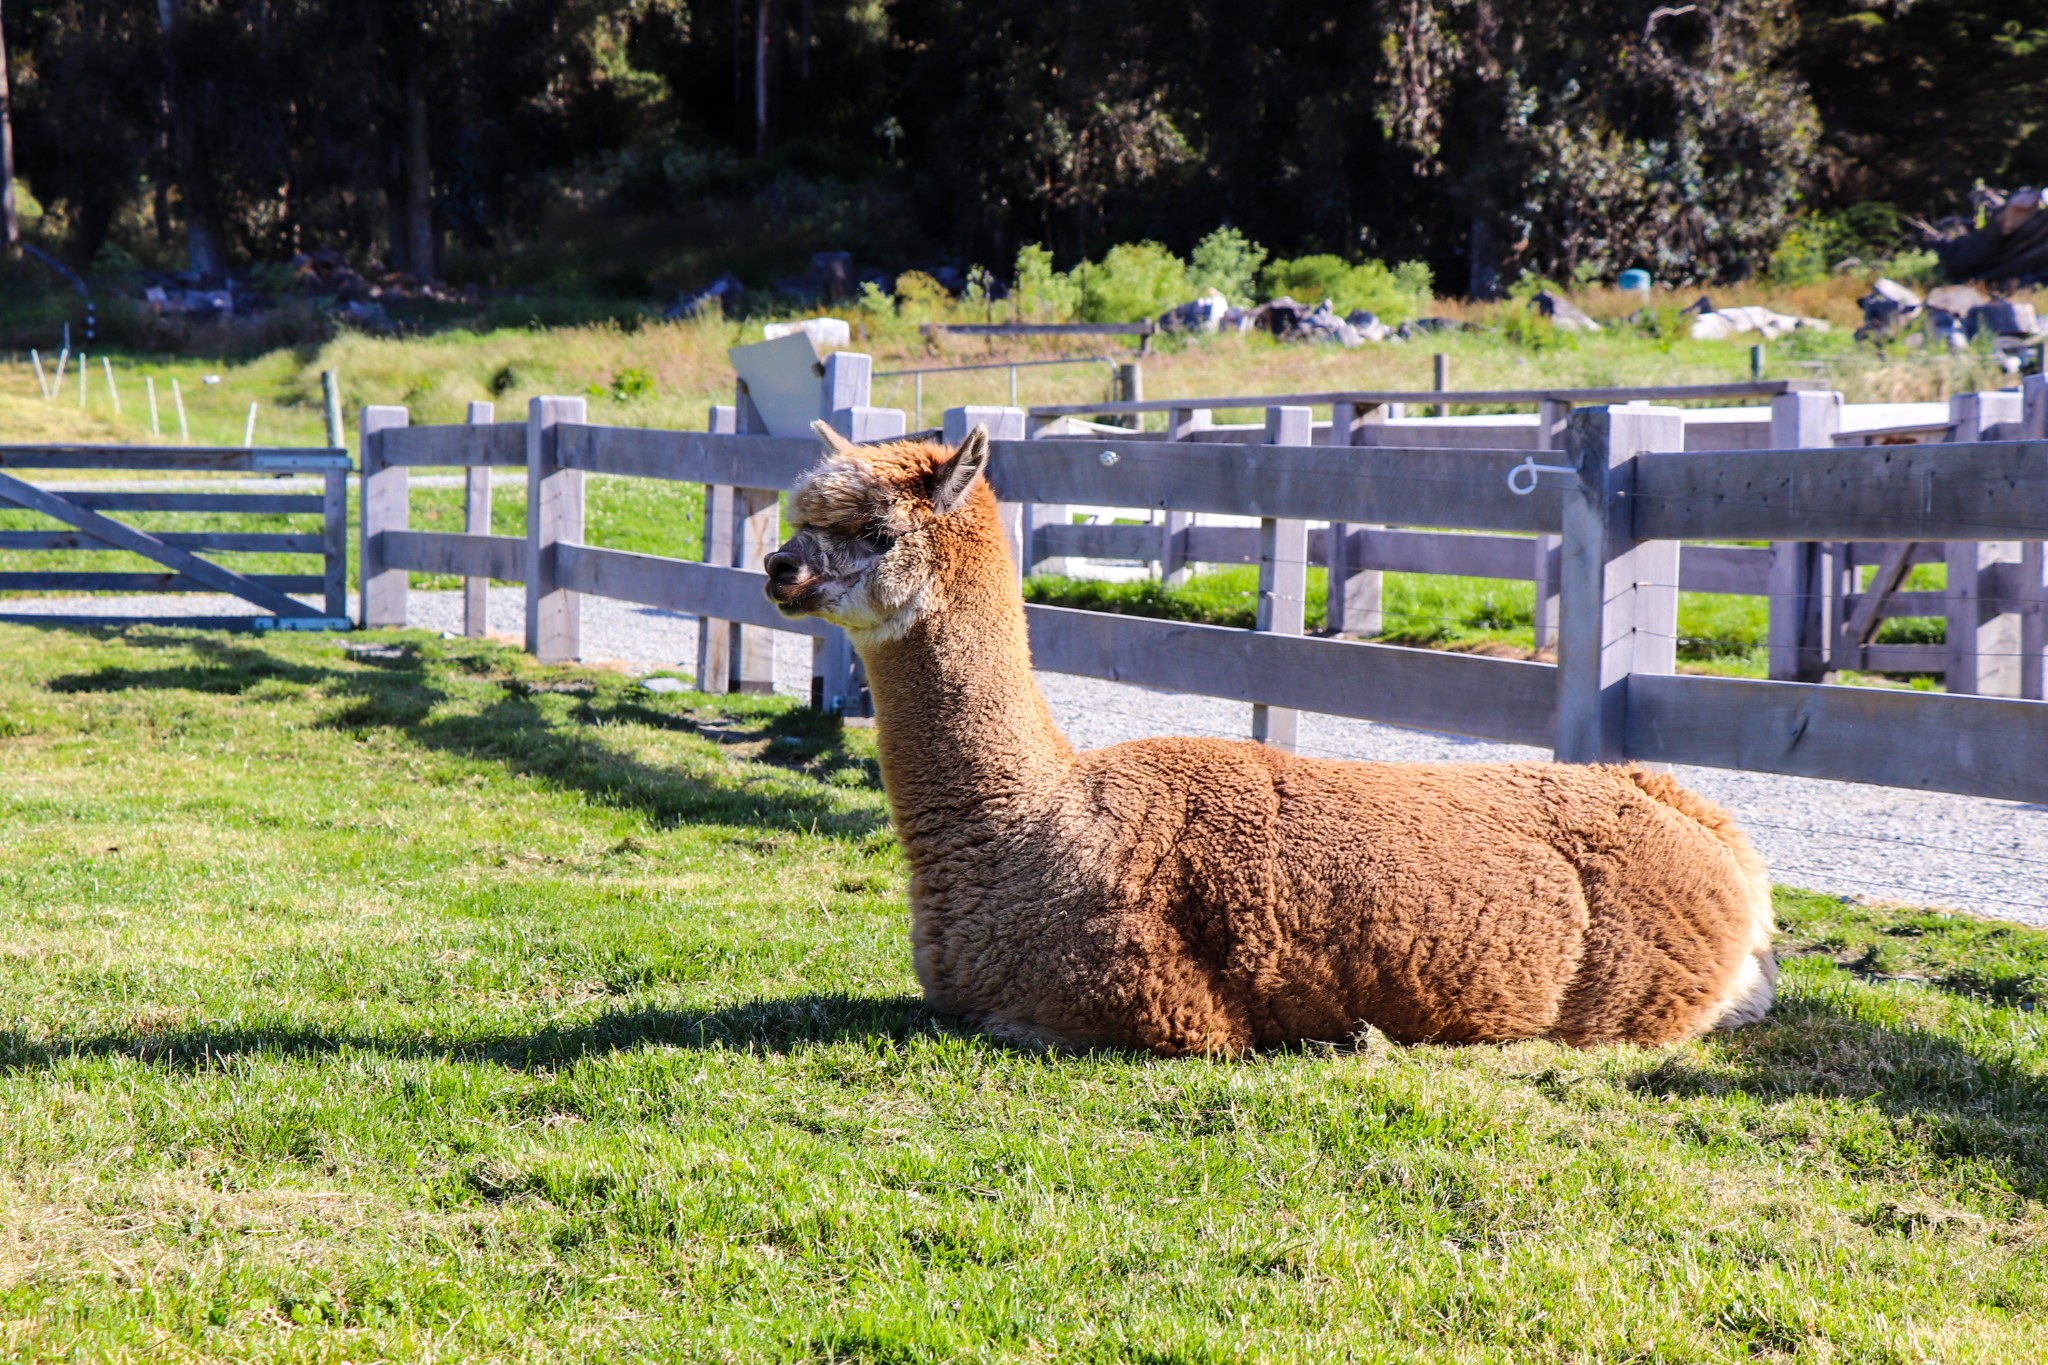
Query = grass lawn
x=396 y=998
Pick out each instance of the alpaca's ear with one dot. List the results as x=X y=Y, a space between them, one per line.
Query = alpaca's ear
x=952 y=480
x=834 y=442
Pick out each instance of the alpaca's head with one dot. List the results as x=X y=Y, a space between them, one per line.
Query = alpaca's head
x=881 y=531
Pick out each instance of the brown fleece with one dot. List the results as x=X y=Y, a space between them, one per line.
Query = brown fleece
x=1199 y=895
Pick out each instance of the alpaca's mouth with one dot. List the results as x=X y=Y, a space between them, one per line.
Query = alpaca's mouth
x=796 y=599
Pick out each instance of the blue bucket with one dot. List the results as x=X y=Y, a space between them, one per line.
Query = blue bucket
x=1634 y=279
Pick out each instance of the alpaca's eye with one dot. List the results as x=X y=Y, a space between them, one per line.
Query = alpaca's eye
x=878 y=542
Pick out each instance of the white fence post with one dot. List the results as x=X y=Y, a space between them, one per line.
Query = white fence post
x=1984 y=632
x=843 y=402
x=1802 y=571
x=476 y=521
x=1619 y=595
x=554 y=514
x=2034 y=558
x=715 y=637
x=1551 y=416
x=1004 y=424
x=1283 y=578
x=385 y=507
x=1353 y=598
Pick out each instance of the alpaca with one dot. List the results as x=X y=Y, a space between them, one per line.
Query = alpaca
x=1210 y=896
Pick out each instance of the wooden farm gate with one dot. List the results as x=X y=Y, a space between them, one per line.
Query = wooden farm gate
x=84 y=524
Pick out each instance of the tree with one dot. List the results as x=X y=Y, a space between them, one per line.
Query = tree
x=10 y=223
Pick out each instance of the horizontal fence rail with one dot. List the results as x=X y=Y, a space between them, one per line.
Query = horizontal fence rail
x=1606 y=530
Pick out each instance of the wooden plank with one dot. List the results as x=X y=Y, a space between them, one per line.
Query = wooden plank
x=253 y=542
x=1983 y=633
x=757 y=519
x=1867 y=608
x=450 y=552
x=191 y=458
x=703 y=590
x=1996 y=490
x=1283 y=581
x=554 y=516
x=1551 y=416
x=55 y=580
x=476 y=521
x=68 y=622
x=261 y=504
x=1802 y=573
x=1041 y=329
x=1465 y=694
x=1740 y=570
x=480 y=445
x=1902 y=658
x=1759 y=388
x=1466 y=489
x=148 y=546
x=1919 y=740
x=1618 y=617
x=744 y=460
x=385 y=505
x=334 y=524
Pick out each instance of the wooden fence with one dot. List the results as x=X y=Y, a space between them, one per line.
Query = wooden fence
x=1629 y=497
x=84 y=525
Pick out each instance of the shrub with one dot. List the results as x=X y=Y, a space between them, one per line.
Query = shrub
x=629 y=384
x=1042 y=292
x=1392 y=294
x=1228 y=262
x=1134 y=281
x=919 y=297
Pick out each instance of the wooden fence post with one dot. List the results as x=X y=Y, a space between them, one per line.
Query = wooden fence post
x=1174 y=566
x=1619 y=595
x=1130 y=388
x=715 y=637
x=1353 y=598
x=476 y=521
x=1802 y=571
x=1004 y=424
x=1984 y=632
x=554 y=514
x=2034 y=558
x=843 y=401
x=1283 y=578
x=1551 y=416
x=385 y=507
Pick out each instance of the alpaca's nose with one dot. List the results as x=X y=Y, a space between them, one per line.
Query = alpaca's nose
x=784 y=567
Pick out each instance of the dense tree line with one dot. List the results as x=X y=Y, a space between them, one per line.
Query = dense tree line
x=1483 y=136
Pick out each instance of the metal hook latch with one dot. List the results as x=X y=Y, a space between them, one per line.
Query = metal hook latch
x=1521 y=487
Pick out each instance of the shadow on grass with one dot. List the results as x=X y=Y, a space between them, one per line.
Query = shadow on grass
x=398 y=689
x=774 y=1026
x=1959 y=1104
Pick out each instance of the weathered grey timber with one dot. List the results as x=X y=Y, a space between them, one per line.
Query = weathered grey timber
x=1986 y=490
x=554 y=515
x=1283 y=580
x=478 y=444
x=1759 y=388
x=385 y=506
x=261 y=459
x=263 y=588
x=468 y=556
x=1460 y=694
x=117 y=536
x=1459 y=488
x=476 y=521
x=264 y=542
x=1618 y=610
x=1919 y=740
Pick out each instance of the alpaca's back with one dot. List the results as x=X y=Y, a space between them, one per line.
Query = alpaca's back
x=1260 y=897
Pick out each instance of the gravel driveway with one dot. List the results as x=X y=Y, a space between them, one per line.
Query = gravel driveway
x=1876 y=843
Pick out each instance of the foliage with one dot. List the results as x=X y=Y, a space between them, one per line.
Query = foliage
x=1132 y=282
x=631 y=383
x=920 y=297
x=1042 y=292
x=1228 y=262
x=419 y=1002
x=1394 y=295
x=1867 y=234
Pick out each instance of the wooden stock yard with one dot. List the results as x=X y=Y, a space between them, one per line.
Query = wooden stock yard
x=86 y=526
x=1624 y=495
